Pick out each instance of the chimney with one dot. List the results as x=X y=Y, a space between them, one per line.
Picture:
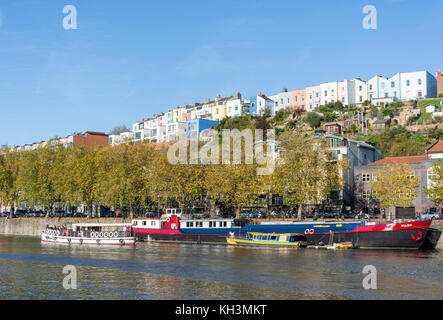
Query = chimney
x=238 y=95
x=285 y=89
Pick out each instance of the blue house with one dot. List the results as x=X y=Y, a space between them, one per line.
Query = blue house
x=196 y=126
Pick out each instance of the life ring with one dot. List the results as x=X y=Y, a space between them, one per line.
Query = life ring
x=306 y=231
x=98 y=241
x=122 y=241
x=101 y=234
x=169 y=219
x=92 y=235
x=96 y=234
x=311 y=231
x=106 y=234
x=115 y=234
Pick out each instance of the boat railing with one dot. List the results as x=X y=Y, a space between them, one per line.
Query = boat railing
x=95 y=234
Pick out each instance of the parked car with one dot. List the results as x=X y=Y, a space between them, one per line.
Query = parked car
x=79 y=215
x=4 y=214
x=428 y=216
x=20 y=213
x=362 y=216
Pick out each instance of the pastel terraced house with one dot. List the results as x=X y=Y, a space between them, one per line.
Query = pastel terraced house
x=298 y=100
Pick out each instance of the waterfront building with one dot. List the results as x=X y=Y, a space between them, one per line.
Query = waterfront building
x=356 y=153
x=422 y=167
x=298 y=100
x=312 y=98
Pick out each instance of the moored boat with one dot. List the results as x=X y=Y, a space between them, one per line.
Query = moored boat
x=279 y=240
x=91 y=234
x=174 y=227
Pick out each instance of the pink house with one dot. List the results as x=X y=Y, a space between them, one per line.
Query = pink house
x=298 y=98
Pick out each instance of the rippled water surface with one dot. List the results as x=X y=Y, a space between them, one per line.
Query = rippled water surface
x=31 y=270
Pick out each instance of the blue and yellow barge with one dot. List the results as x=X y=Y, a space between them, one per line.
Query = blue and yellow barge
x=279 y=240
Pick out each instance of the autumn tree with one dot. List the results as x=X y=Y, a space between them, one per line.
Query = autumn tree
x=305 y=173
x=42 y=175
x=9 y=173
x=395 y=185
x=435 y=190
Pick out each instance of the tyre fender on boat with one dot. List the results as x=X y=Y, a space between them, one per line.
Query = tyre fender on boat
x=122 y=241
x=81 y=241
x=98 y=241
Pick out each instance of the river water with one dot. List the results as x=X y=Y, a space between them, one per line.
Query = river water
x=31 y=270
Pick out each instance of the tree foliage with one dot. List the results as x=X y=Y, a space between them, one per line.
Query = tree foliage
x=395 y=186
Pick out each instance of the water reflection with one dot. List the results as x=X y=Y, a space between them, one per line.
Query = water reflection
x=30 y=270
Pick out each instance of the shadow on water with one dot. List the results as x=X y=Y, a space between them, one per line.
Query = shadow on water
x=31 y=270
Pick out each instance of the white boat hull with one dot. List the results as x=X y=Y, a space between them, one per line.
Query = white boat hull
x=56 y=238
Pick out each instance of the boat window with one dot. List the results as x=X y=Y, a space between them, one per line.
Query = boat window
x=190 y=224
x=273 y=238
x=152 y=223
x=144 y=223
x=135 y=223
x=220 y=224
x=225 y=224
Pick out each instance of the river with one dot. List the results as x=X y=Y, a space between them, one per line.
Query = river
x=31 y=270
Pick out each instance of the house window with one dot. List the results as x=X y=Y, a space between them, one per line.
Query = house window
x=366 y=177
x=360 y=88
x=392 y=84
x=420 y=94
x=370 y=87
x=419 y=82
x=326 y=93
x=408 y=83
x=366 y=194
x=361 y=99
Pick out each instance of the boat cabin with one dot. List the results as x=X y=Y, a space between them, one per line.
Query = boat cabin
x=276 y=237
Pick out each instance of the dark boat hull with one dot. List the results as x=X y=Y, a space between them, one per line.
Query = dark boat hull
x=383 y=239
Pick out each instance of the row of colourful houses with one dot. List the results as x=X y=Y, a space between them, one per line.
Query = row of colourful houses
x=378 y=90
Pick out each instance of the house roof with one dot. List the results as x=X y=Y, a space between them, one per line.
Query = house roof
x=395 y=160
x=436 y=147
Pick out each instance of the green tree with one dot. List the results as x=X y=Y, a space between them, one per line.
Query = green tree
x=313 y=119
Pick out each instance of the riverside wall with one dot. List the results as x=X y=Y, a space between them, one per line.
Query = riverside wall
x=34 y=226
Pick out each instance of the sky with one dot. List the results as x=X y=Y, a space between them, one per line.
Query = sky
x=128 y=60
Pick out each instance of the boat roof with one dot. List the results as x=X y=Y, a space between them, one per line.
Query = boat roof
x=102 y=224
x=276 y=234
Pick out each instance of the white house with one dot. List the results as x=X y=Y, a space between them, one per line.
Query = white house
x=328 y=92
x=312 y=97
x=417 y=85
x=360 y=91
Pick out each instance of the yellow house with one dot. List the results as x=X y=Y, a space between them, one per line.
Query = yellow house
x=219 y=108
x=177 y=114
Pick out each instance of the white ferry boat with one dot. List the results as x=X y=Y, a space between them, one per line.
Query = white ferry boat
x=91 y=234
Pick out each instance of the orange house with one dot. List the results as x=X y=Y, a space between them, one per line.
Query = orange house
x=298 y=99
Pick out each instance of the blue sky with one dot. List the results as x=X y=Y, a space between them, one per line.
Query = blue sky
x=130 y=59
